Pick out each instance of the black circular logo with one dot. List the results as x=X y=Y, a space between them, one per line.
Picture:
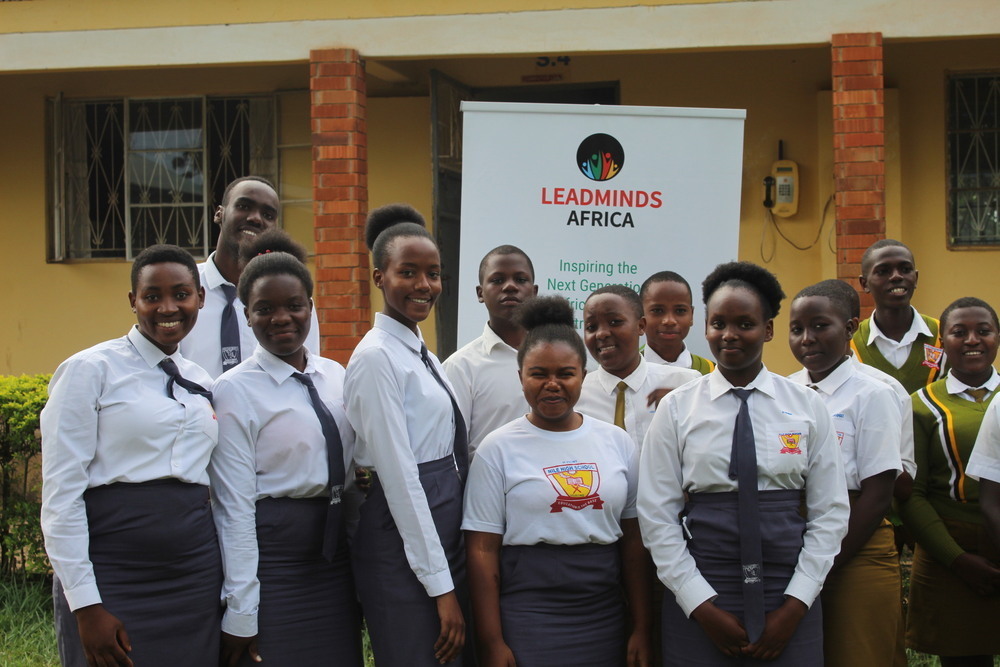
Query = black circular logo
x=600 y=157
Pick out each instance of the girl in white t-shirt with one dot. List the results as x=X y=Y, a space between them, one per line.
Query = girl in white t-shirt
x=550 y=520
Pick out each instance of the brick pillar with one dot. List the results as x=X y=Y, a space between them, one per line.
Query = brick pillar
x=340 y=198
x=858 y=151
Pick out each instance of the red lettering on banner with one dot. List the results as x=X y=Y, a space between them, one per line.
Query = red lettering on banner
x=565 y=502
x=609 y=198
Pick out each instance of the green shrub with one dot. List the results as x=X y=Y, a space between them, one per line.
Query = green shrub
x=21 y=400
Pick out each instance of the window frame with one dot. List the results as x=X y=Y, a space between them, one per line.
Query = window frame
x=954 y=242
x=57 y=218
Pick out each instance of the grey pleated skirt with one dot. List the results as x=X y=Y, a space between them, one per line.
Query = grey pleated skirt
x=713 y=521
x=158 y=569
x=563 y=605
x=309 y=613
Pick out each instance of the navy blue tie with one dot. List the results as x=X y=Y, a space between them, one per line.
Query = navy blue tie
x=174 y=375
x=743 y=466
x=229 y=333
x=461 y=443
x=335 y=465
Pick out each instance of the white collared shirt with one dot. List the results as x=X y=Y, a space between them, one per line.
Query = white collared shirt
x=984 y=462
x=600 y=394
x=866 y=418
x=896 y=352
x=535 y=486
x=683 y=360
x=203 y=344
x=906 y=448
x=402 y=417
x=271 y=444
x=487 y=386
x=956 y=387
x=687 y=450
x=101 y=402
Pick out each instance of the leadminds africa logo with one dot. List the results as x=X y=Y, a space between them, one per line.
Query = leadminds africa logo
x=600 y=157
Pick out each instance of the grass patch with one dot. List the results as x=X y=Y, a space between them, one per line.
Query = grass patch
x=28 y=639
x=27 y=636
x=27 y=633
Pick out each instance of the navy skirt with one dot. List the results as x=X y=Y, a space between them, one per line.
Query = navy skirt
x=713 y=522
x=402 y=619
x=158 y=569
x=309 y=611
x=563 y=605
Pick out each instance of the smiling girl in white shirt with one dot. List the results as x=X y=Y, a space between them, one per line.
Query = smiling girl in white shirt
x=289 y=591
x=408 y=554
x=861 y=601
x=125 y=504
x=737 y=594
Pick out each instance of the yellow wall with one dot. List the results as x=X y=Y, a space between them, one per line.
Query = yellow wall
x=786 y=110
x=399 y=156
x=784 y=91
x=918 y=71
x=796 y=108
x=46 y=15
x=55 y=310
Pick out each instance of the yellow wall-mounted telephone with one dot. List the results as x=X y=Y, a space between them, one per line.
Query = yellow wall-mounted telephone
x=785 y=178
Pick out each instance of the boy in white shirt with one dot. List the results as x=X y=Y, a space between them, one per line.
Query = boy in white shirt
x=249 y=207
x=484 y=372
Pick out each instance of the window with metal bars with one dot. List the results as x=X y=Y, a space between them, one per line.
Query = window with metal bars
x=129 y=173
x=973 y=159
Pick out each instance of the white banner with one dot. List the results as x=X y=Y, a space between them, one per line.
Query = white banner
x=598 y=195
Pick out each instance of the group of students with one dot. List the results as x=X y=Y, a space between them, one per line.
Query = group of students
x=508 y=493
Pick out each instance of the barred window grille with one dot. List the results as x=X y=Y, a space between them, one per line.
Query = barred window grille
x=133 y=172
x=974 y=159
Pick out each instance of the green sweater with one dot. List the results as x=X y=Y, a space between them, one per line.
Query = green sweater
x=915 y=373
x=944 y=430
x=701 y=364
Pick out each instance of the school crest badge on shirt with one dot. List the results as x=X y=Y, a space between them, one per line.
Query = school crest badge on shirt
x=790 y=442
x=576 y=486
x=932 y=356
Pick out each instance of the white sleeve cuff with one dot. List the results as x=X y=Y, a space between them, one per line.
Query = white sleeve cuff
x=803 y=588
x=82 y=596
x=239 y=625
x=693 y=593
x=438 y=583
